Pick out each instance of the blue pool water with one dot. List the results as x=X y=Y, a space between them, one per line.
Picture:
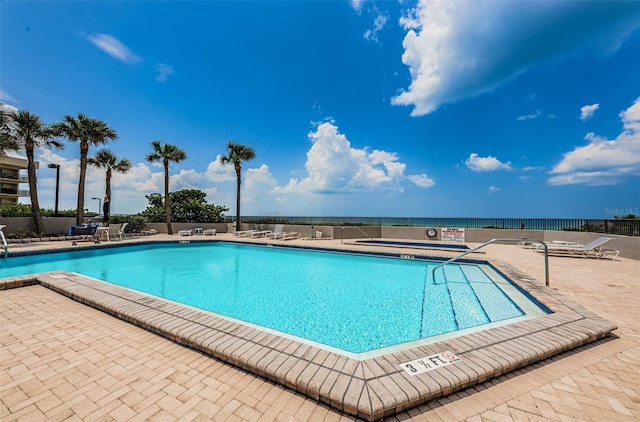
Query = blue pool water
x=352 y=302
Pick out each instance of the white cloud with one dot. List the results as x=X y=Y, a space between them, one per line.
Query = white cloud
x=529 y=116
x=164 y=71
x=378 y=24
x=258 y=182
x=333 y=166
x=350 y=175
x=587 y=111
x=357 y=5
x=113 y=47
x=8 y=108
x=456 y=50
x=476 y=163
x=492 y=189
x=603 y=161
x=218 y=172
x=5 y=97
x=421 y=180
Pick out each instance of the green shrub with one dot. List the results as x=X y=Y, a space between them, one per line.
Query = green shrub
x=135 y=223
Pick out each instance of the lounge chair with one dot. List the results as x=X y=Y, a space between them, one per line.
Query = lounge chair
x=277 y=231
x=289 y=235
x=186 y=232
x=532 y=244
x=260 y=233
x=590 y=250
x=319 y=236
x=210 y=232
x=244 y=233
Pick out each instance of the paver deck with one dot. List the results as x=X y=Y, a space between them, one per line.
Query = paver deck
x=62 y=359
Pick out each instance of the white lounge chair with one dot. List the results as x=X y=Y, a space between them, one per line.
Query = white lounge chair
x=244 y=233
x=277 y=231
x=210 y=232
x=590 y=250
x=289 y=235
x=260 y=233
x=186 y=232
x=318 y=236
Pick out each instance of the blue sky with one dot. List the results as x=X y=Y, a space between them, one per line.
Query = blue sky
x=354 y=108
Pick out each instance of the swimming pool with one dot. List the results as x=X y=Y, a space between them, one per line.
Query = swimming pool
x=349 y=302
x=369 y=386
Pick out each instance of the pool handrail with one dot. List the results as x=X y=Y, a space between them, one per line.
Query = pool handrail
x=354 y=227
x=544 y=245
x=4 y=241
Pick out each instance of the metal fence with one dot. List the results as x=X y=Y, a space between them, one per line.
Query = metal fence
x=626 y=227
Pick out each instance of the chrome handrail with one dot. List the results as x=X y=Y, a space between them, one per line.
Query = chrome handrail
x=4 y=241
x=352 y=227
x=544 y=245
x=433 y=271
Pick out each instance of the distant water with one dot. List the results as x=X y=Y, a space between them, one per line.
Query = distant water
x=573 y=224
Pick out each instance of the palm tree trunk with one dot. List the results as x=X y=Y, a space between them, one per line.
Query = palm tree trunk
x=107 y=191
x=33 y=192
x=167 y=206
x=238 y=176
x=84 y=149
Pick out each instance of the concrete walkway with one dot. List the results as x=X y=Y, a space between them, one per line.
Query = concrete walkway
x=61 y=360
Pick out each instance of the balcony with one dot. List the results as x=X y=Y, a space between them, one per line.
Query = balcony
x=14 y=177
x=15 y=192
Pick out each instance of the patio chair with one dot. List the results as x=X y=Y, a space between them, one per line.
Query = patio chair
x=115 y=231
x=186 y=232
x=593 y=249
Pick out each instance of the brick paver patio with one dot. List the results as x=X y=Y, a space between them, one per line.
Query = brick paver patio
x=61 y=360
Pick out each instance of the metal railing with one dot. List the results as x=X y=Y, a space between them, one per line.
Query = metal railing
x=14 y=177
x=540 y=242
x=352 y=227
x=433 y=270
x=4 y=241
x=621 y=226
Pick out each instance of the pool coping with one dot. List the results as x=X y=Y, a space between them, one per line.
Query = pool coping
x=369 y=389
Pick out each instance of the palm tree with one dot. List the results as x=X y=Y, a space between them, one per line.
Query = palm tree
x=106 y=159
x=88 y=132
x=237 y=153
x=166 y=152
x=7 y=143
x=27 y=132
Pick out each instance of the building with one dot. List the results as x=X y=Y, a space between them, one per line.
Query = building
x=10 y=179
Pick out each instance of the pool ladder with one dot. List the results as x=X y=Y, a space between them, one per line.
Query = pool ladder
x=540 y=242
x=433 y=271
x=4 y=241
